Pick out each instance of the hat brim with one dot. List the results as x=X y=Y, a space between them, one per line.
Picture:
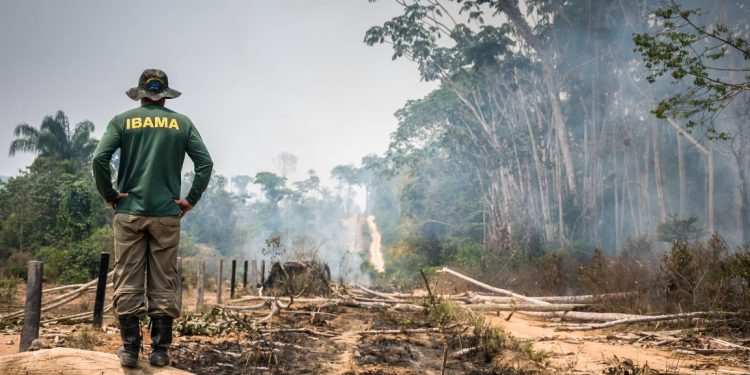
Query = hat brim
x=137 y=93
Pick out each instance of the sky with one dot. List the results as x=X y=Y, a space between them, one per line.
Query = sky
x=257 y=77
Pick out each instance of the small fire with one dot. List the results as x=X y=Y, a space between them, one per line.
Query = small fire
x=376 y=254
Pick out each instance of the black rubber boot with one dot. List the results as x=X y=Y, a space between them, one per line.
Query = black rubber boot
x=130 y=332
x=161 y=339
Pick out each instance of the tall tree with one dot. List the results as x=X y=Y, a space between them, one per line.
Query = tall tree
x=54 y=138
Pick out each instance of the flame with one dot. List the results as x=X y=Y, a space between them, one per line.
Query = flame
x=376 y=254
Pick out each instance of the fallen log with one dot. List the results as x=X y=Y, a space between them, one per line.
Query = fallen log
x=377 y=294
x=75 y=361
x=398 y=331
x=281 y=299
x=245 y=308
x=298 y=330
x=640 y=319
x=60 y=300
x=524 y=307
x=83 y=315
x=578 y=315
x=381 y=305
x=731 y=345
x=63 y=287
x=474 y=298
x=492 y=288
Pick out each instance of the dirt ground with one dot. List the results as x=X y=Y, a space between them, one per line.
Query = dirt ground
x=331 y=341
x=595 y=351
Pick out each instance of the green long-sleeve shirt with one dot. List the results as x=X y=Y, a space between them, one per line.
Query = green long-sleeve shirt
x=153 y=141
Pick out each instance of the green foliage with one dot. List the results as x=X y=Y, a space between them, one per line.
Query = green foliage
x=15 y=265
x=77 y=262
x=404 y=260
x=273 y=186
x=53 y=138
x=701 y=57
x=8 y=288
x=675 y=229
x=698 y=276
x=214 y=219
x=472 y=257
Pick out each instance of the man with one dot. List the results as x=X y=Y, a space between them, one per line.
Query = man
x=153 y=141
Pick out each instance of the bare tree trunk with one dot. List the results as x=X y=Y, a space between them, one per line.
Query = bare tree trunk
x=645 y=185
x=558 y=190
x=511 y=9
x=658 y=178
x=683 y=184
x=710 y=190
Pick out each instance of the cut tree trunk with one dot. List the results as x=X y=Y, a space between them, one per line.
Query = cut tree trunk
x=641 y=319
x=492 y=288
x=582 y=316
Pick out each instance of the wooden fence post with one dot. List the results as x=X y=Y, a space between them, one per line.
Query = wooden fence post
x=33 y=308
x=232 y=282
x=200 y=282
x=254 y=273
x=244 y=277
x=101 y=288
x=219 y=271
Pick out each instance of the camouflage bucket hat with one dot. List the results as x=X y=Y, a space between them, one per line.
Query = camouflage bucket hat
x=154 y=85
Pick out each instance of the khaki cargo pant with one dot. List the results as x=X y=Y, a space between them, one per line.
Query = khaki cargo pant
x=145 y=277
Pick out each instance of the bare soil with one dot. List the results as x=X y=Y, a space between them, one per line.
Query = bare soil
x=331 y=342
x=599 y=350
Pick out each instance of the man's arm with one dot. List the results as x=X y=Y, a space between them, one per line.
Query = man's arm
x=198 y=153
x=107 y=146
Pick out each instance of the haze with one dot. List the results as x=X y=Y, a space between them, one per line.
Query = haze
x=258 y=78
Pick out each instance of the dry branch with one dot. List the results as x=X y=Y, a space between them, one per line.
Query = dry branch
x=61 y=300
x=524 y=307
x=259 y=306
x=578 y=315
x=641 y=319
x=377 y=294
x=381 y=305
x=492 y=288
x=83 y=315
x=298 y=330
x=398 y=331
x=478 y=298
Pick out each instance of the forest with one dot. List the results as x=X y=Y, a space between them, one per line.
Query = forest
x=570 y=193
x=560 y=133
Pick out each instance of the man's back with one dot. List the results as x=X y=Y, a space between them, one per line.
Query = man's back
x=153 y=142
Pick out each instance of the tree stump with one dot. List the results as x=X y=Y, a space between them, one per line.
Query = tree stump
x=298 y=278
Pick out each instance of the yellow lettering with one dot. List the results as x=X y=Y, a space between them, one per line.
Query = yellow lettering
x=160 y=122
x=173 y=124
x=148 y=122
x=136 y=122
x=127 y=124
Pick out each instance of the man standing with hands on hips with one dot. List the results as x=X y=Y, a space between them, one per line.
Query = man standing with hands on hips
x=153 y=141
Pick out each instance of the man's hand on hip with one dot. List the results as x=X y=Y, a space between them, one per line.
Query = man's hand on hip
x=119 y=196
x=185 y=206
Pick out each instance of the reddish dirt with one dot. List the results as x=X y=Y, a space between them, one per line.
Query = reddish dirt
x=592 y=352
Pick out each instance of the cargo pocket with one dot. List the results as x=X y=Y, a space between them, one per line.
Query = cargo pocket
x=170 y=221
x=167 y=233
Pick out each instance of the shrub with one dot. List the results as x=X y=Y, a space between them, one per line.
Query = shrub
x=674 y=229
x=15 y=265
x=698 y=276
